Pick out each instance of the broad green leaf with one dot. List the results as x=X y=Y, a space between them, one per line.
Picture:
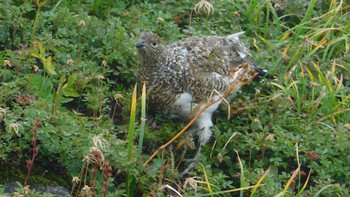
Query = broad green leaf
x=48 y=66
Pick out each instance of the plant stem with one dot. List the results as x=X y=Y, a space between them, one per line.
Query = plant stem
x=37 y=2
x=30 y=163
x=58 y=95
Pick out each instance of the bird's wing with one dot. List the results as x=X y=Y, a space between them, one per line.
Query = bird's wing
x=210 y=61
x=213 y=53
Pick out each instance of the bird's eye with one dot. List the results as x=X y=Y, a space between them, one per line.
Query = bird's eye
x=154 y=44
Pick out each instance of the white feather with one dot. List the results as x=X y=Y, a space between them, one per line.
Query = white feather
x=185 y=105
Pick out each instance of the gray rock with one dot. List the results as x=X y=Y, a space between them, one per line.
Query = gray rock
x=56 y=191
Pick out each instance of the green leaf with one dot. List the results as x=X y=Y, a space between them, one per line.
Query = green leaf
x=48 y=66
x=68 y=89
x=41 y=87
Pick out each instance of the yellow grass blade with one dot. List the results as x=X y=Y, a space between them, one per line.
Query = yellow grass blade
x=291 y=179
x=207 y=181
x=285 y=36
x=323 y=78
x=259 y=182
x=228 y=191
x=131 y=131
x=310 y=73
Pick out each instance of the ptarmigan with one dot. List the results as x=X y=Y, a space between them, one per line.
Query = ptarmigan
x=183 y=75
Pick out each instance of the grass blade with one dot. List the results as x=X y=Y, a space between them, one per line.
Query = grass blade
x=324 y=188
x=131 y=133
x=304 y=186
x=307 y=16
x=227 y=191
x=291 y=179
x=207 y=181
x=143 y=118
x=242 y=175
x=130 y=178
x=259 y=182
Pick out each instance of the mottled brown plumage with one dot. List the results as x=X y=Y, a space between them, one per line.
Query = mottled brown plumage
x=181 y=75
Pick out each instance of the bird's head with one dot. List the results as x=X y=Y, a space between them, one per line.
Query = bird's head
x=149 y=46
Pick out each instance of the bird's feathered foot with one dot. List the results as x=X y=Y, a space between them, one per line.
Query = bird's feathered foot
x=193 y=161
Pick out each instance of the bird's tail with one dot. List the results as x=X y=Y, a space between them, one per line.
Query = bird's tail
x=235 y=36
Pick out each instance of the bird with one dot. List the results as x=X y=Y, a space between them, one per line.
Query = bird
x=183 y=76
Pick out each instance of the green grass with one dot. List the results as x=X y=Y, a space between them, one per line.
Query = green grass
x=72 y=65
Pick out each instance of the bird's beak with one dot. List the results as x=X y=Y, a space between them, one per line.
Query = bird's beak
x=139 y=45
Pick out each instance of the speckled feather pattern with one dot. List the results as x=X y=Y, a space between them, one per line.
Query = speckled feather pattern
x=195 y=66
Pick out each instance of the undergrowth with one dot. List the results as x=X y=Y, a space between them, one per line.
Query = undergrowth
x=71 y=65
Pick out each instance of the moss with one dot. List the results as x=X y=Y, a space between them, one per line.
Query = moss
x=39 y=175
